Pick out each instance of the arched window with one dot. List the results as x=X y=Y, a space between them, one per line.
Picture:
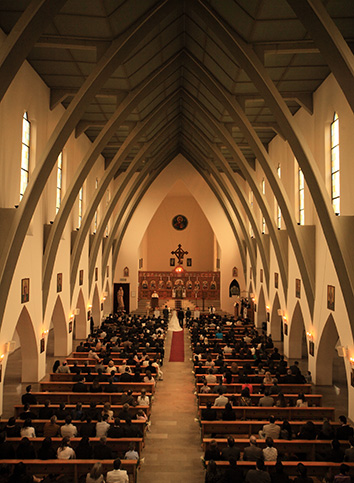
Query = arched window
x=335 y=173
x=59 y=181
x=25 y=154
x=301 y=195
x=278 y=207
x=81 y=196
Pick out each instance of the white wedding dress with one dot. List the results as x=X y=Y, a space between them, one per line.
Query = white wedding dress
x=174 y=324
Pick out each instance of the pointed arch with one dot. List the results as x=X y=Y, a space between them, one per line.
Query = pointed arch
x=107 y=301
x=60 y=329
x=234 y=288
x=81 y=325
x=276 y=322
x=325 y=352
x=261 y=308
x=29 y=347
x=296 y=332
x=96 y=307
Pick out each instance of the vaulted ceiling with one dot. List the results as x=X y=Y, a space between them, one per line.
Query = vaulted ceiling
x=213 y=80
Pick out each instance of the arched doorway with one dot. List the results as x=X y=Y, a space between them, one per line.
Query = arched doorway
x=107 y=301
x=297 y=347
x=276 y=321
x=96 y=308
x=80 y=321
x=330 y=368
x=234 y=288
x=26 y=356
x=261 y=310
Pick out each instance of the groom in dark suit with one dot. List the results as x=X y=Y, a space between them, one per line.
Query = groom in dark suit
x=180 y=315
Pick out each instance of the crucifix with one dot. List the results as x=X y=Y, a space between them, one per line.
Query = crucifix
x=179 y=252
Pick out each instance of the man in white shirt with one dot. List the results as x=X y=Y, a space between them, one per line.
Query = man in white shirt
x=221 y=400
x=68 y=429
x=102 y=427
x=270 y=430
x=117 y=475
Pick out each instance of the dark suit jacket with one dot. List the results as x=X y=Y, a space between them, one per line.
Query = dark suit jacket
x=252 y=453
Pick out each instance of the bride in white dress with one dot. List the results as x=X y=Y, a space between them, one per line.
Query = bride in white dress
x=174 y=324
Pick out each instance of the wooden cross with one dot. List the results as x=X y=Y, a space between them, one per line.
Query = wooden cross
x=179 y=252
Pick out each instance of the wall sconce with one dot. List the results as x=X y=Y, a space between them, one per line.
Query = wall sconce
x=309 y=335
x=89 y=307
x=44 y=333
x=268 y=308
x=351 y=360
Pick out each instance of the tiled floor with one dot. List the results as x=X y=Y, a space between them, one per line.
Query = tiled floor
x=172 y=452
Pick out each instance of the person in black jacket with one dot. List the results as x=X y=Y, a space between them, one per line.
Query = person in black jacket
x=25 y=450
x=46 y=451
x=46 y=412
x=209 y=414
x=344 y=431
x=28 y=398
x=101 y=451
x=79 y=386
x=7 y=451
x=84 y=449
x=116 y=430
x=88 y=429
x=12 y=429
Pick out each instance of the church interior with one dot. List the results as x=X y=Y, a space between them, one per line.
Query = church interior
x=181 y=153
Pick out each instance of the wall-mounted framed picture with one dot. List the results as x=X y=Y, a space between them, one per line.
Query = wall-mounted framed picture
x=276 y=279
x=42 y=345
x=59 y=282
x=235 y=272
x=96 y=274
x=189 y=262
x=70 y=326
x=297 y=288
x=25 y=290
x=126 y=272
x=172 y=262
x=330 y=297
x=311 y=348
x=81 y=277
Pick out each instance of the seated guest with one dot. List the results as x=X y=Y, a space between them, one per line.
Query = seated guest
x=209 y=414
x=46 y=451
x=221 y=400
x=205 y=389
x=344 y=431
x=281 y=401
x=79 y=386
x=68 y=429
x=141 y=416
x=128 y=398
x=271 y=429
x=343 y=476
x=28 y=397
x=228 y=413
x=131 y=454
x=25 y=450
x=96 y=474
x=101 y=451
x=61 y=412
x=92 y=411
x=46 y=412
x=102 y=426
x=245 y=398
x=327 y=431
x=131 y=430
x=27 y=413
x=27 y=429
x=124 y=413
x=96 y=387
x=302 y=474
x=349 y=452
x=7 y=451
x=77 y=413
x=270 y=453
x=20 y=475
x=111 y=386
x=116 y=430
x=51 y=428
x=231 y=451
x=258 y=475
x=210 y=377
x=65 y=451
x=307 y=431
x=84 y=449
x=279 y=476
x=268 y=379
x=143 y=399
x=212 y=452
x=11 y=429
x=126 y=376
x=107 y=410
x=88 y=429
x=301 y=402
x=117 y=475
x=212 y=475
x=233 y=472
x=266 y=400
x=286 y=431
x=63 y=368
x=335 y=454
x=111 y=367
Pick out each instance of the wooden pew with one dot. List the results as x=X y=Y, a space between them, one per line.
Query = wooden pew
x=285 y=388
x=310 y=447
x=257 y=378
x=116 y=408
x=65 y=386
x=314 y=468
x=119 y=446
x=73 y=468
x=313 y=399
x=68 y=376
x=249 y=427
x=83 y=397
x=39 y=423
x=257 y=412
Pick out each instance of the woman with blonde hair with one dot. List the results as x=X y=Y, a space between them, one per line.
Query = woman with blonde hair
x=65 y=451
x=107 y=410
x=96 y=474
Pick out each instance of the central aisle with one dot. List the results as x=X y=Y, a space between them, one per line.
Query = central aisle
x=172 y=450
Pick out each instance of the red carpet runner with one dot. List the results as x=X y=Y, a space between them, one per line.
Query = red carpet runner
x=177 y=347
